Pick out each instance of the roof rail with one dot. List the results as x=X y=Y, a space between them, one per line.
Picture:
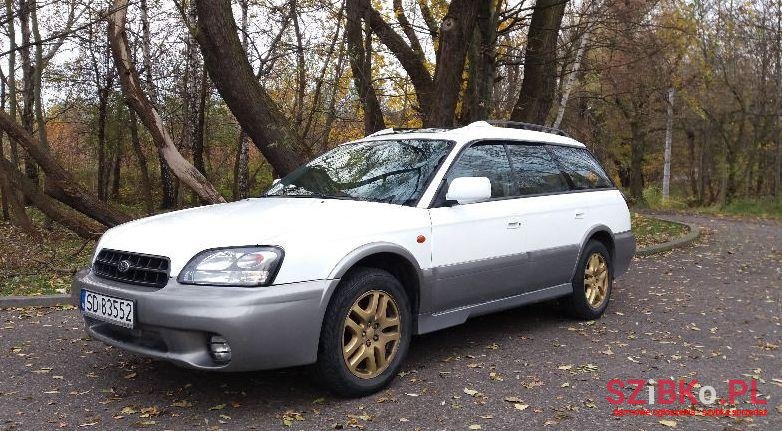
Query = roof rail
x=526 y=126
x=394 y=130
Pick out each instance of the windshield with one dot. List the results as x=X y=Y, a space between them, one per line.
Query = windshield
x=393 y=171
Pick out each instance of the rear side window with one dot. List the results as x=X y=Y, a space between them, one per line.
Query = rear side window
x=536 y=171
x=581 y=167
x=489 y=161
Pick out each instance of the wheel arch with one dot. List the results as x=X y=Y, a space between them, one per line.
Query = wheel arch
x=600 y=233
x=386 y=256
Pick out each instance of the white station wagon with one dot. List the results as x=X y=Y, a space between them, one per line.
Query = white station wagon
x=341 y=262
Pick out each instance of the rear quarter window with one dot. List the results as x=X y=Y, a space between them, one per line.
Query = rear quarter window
x=581 y=167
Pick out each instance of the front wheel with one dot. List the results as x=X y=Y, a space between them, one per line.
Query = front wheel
x=592 y=282
x=366 y=333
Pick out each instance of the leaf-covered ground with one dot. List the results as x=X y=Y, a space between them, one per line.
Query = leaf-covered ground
x=711 y=312
x=30 y=267
x=649 y=231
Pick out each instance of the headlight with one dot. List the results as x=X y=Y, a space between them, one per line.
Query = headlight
x=235 y=266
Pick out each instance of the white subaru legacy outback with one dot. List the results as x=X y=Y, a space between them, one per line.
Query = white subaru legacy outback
x=341 y=262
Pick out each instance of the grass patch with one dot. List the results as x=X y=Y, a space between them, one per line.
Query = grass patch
x=649 y=231
x=746 y=207
x=30 y=267
x=740 y=207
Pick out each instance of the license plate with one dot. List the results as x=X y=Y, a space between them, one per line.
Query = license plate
x=107 y=308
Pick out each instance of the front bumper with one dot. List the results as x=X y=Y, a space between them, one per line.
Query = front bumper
x=266 y=327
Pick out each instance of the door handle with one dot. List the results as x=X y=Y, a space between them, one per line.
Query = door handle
x=514 y=223
x=580 y=214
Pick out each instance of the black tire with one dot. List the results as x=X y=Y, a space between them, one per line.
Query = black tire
x=331 y=369
x=576 y=303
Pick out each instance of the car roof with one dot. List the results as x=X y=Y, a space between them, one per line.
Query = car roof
x=479 y=130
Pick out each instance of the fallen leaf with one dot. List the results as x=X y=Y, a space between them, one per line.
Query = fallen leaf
x=668 y=423
x=520 y=406
x=289 y=416
x=472 y=392
x=128 y=410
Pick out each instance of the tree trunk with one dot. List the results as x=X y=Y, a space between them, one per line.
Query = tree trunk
x=146 y=52
x=81 y=226
x=778 y=169
x=570 y=80
x=455 y=30
x=777 y=192
x=40 y=63
x=18 y=214
x=103 y=100
x=12 y=103
x=667 y=152
x=301 y=77
x=724 y=174
x=481 y=67
x=117 y=171
x=168 y=200
x=233 y=76
x=63 y=186
x=5 y=190
x=408 y=58
x=141 y=160
x=540 y=63
x=316 y=95
x=28 y=87
x=241 y=163
x=331 y=111
x=359 y=56
x=438 y=96
x=637 y=155
x=12 y=207
x=200 y=126
x=694 y=174
x=241 y=167
x=149 y=116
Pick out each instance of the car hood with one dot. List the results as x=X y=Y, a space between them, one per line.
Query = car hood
x=182 y=234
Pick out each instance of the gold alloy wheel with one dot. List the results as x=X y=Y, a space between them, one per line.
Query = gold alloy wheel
x=596 y=280
x=371 y=334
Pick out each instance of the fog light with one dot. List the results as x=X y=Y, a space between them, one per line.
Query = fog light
x=219 y=348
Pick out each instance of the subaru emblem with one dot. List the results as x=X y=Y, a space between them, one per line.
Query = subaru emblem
x=123 y=266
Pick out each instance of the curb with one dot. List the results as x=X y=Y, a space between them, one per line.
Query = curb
x=688 y=238
x=35 y=301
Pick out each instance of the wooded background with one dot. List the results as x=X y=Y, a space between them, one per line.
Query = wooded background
x=111 y=110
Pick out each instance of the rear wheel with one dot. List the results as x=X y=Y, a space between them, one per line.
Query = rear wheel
x=366 y=333
x=592 y=282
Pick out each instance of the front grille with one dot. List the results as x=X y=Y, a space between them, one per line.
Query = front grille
x=142 y=269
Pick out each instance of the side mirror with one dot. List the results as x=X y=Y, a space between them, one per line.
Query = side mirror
x=466 y=190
